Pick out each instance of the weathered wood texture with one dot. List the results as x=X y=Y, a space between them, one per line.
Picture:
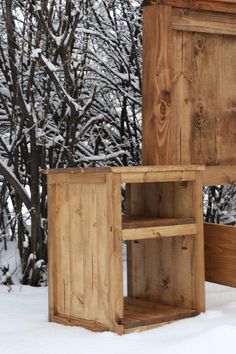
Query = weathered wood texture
x=220 y=254
x=85 y=248
x=169 y=270
x=223 y=6
x=83 y=274
x=197 y=123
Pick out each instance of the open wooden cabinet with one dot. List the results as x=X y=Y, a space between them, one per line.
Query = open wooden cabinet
x=189 y=103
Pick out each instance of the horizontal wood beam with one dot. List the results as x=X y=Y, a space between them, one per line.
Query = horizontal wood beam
x=204 y=21
x=134 y=222
x=149 y=177
x=158 y=232
x=210 y=5
x=219 y=175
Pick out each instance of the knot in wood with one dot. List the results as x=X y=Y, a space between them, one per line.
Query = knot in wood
x=199 y=46
x=200 y=119
x=165 y=101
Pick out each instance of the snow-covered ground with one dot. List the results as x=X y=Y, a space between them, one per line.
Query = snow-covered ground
x=24 y=329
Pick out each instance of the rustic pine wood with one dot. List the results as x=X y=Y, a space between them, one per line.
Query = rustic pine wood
x=199 y=126
x=158 y=232
x=224 y=6
x=135 y=222
x=138 y=312
x=220 y=253
x=173 y=258
x=219 y=175
x=85 y=247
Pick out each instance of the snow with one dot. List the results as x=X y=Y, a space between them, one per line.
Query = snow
x=24 y=329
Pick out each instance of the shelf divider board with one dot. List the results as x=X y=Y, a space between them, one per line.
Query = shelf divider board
x=133 y=222
x=158 y=232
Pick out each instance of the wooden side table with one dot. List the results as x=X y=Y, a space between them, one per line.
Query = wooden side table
x=86 y=231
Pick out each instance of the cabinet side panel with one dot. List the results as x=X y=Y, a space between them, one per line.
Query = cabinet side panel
x=89 y=252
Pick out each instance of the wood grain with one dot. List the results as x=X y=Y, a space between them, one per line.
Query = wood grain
x=139 y=312
x=221 y=175
x=203 y=21
x=157 y=85
x=158 y=232
x=220 y=254
x=136 y=222
x=212 y=5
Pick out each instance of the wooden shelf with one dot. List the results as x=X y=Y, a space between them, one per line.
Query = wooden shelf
x=140 y=313
x=136 y=222
x=158 y=232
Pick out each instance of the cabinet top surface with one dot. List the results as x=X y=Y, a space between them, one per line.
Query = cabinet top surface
x=126 y=169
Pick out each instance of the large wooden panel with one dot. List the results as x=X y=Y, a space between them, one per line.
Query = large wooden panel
x=199 y=124
x=157 y=85
x=220 y=254
x=79 y=246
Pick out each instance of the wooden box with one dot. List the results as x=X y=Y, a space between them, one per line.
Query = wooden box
x=163 y=230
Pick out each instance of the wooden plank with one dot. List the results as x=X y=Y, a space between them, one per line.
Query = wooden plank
x=203 y=21
x=62 y=256
x=77 y=170
x=149 y=177
x=139 y=312
x=158 y=232
x=157 y=86
x=219 y=175
x=198 y=264
x=220 y=254
x=165 y=168
x=212 y=5
x=77 y=251
x=115 y=250
x=89 y=232
x=52 y=251
x=145 y=328
x=63 y=178
x=103 y=233
x=135 y=222
x=74 y=321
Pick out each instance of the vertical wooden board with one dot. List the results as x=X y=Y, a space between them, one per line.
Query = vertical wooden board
x=103 y=258
x=156 y=199
x=62 y=255
x=182 y=285
x=226 y=118
x=115 y=249
x=135 y=194
x=89 y=231
x=182 y=78
x=77 y=271
x=206 y=101
x=183 y=199
x=135 y=268
x=157 y=145
x=198 y=266
x=52 y=251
